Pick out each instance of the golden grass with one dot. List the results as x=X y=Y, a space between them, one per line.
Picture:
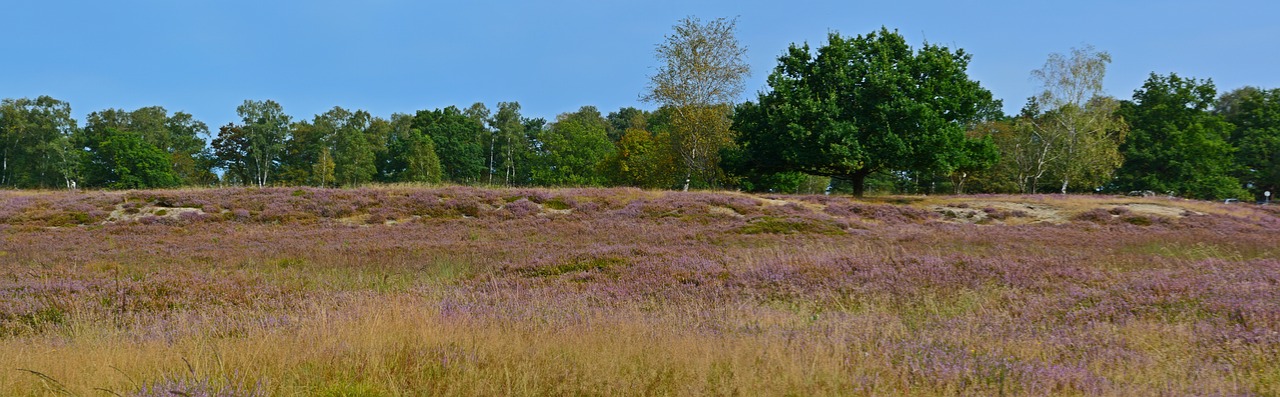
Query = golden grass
x=401 y=345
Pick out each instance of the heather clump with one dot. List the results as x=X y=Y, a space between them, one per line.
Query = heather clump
x=1003 y=214
x=791 y=225
x=1096 y=215
x=879 y=212
x=560 y=203
x=539 y=196
x=467 y=207
x=522 y=208
x=576 y=265
x=675 y=204
x=51 y=211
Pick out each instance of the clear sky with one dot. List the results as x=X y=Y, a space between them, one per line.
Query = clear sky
x=205 y=57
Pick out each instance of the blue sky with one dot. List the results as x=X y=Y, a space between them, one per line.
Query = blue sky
x=205 y=57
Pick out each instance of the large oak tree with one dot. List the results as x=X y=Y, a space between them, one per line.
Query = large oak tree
x=863 y=104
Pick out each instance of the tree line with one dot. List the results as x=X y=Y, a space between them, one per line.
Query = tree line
x=865 y=113
x=43 y=147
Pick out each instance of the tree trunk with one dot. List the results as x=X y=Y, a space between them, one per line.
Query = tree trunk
x=960 y=182
x=859 y=181
x=492 y=139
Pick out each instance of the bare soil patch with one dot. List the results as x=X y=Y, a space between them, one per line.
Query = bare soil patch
x=1159 y=210
x=122 y=214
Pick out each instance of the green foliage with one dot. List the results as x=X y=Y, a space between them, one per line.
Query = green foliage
x=861 y=105
x=322 y=170
x=1175 y=144
x=642 y=158
x=35 y=145
x=266 y=129
x=791 y=225
x=353 y=154
x=250 y=152
x=575 y=266
x=1256 y=137
x=509 y=145
x=409 y=155
x=179 y=136
x=1015 y=146
x=307 y=158
x=979 y=153
x=456 y=142
x=231 y=154
x=784 y=182
x=125 y=160
x=624 y=119
x=570 y=153
x=420 y=159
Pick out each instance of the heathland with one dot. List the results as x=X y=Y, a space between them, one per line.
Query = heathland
x=470 y=291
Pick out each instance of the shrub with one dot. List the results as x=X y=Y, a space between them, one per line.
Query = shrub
x=1096 y=215
x=880 y=212
x=559 y=203
x=192 y=217
x=522 y=208
x=574 y=266
x=1137 y=220
x=790 y=225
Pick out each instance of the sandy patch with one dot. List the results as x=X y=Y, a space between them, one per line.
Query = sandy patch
x=1000 y=212
x=725 y=211
x=1159 y=210
x=122 y=214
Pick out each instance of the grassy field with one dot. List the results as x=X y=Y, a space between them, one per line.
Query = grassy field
x=407 y=291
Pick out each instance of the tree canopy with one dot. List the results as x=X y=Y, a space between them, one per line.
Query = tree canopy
x=861 y=105
x=1255 y=113
x=457 y=141
x=125 y=160
x=35 y=143
x=1175 y=143
x=571 y=151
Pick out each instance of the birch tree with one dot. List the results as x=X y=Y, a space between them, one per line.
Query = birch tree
x=35 y=149
x=1078 y=131
x=509 y=141
x=702 y=73
x=266 y=127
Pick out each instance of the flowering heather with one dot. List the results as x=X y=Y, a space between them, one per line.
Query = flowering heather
x=468 y=291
